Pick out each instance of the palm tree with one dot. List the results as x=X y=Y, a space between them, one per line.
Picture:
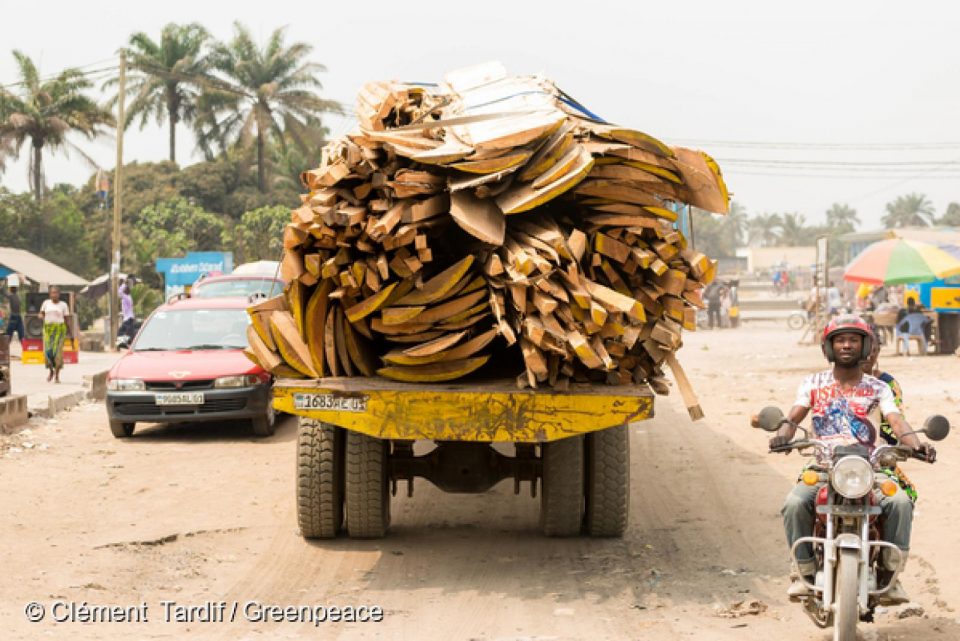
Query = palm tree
x=794 y=231
x=266 y=91
x=842 y=217
x=737 y=222
x=45 y=111
x=167 y=77
x=911 y=209
x=951 y=216
x=764 y=229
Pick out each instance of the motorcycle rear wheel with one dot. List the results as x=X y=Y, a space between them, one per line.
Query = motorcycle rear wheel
x=847 y=609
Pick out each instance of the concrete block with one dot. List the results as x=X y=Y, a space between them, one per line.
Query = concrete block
x=96 y=385
x=13 y=412
x=50 y=406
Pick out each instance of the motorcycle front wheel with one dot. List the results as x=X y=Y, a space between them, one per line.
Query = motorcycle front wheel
x=847 y=612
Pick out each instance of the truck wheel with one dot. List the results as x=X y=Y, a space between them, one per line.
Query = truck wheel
x=561 y=487
x=265 y=425
x=122 y=430
x=319 y=479
x=368 y=499
x=608 y=481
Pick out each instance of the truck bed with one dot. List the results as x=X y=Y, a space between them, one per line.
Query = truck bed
x=481 y=411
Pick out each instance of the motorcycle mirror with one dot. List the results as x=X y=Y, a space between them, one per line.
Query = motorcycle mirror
x=936 y=427
x=770 y=418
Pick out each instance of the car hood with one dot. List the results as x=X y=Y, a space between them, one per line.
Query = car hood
x=183 y=365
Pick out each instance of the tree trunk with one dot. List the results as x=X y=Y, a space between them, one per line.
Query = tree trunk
x=261 y=170
x=173 y=114
x=37 y=168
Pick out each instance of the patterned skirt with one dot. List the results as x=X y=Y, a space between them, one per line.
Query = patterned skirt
x=54 y=336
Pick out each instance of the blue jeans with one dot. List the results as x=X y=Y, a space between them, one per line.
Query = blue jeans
x=798 y=515
x=15 y=324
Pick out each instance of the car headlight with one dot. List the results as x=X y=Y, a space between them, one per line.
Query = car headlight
x=244 y=380
x=852 y=477
x=125 y=385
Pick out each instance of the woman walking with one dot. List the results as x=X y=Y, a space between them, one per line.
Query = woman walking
x=56 y=329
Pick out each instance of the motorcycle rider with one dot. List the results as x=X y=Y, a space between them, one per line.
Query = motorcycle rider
x=847 y=406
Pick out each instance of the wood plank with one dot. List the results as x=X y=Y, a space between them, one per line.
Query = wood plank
x=340 y=341
x=330 y=342
x=481 y=218
x=433 y=372
x=440 y=284
x=292 y=348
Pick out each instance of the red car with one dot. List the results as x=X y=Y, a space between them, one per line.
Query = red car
x=187 y=364
x=236 y=285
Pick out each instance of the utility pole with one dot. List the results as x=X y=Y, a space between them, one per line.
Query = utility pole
x=117 y=205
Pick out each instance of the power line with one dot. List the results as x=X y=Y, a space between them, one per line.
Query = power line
x=824 y=146
x=91 y=72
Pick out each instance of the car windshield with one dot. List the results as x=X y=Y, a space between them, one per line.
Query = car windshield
x=237 y=287
x=194 y=329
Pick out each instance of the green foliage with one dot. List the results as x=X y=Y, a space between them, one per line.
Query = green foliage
x=765 y=229
x=170 y=228
x=909 y=210
x=54 y=228
x=259 y=234
x=842 y=218
x=951 y=216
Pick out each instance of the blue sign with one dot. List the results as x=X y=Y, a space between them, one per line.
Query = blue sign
x=180 y=273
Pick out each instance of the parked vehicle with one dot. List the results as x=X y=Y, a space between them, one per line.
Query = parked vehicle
x=228 y=285
x=846 y=537
x=187 y=364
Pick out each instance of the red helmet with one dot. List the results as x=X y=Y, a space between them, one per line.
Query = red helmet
x=845 y=325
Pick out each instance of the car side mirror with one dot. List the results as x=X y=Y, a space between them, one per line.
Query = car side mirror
x=936 y=427
x=770 y=418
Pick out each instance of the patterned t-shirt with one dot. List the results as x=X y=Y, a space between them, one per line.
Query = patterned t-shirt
x=846 y=417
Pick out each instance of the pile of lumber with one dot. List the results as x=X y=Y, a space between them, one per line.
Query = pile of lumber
x=489 y=224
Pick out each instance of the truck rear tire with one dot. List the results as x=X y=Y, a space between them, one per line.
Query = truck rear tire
x=368 y=498
x=319 y=479
x=561 y=487
x=608 y=481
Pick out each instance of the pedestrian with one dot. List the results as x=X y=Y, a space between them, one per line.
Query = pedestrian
x=776 y=281
x=712 y=295
x=15 y=322
x=726 y=302
x=127 y=316
x=55 y=315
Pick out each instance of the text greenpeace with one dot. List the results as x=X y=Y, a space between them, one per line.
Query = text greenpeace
x=256 y=612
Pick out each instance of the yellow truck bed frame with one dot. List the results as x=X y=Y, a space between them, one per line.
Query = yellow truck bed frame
x=489 y=411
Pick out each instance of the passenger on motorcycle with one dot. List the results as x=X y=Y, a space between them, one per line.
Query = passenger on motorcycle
x=848 y=407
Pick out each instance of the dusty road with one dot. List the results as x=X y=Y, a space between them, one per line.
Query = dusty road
x=204 y=513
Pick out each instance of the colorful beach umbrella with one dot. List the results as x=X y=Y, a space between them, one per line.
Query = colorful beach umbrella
x=896 y=261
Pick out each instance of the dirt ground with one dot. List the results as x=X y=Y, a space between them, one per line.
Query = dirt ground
x=205 y=514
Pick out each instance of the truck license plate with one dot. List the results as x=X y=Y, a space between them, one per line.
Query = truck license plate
x=330 y=402
x=180 y=398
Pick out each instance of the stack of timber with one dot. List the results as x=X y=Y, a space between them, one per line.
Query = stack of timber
x=489 y=223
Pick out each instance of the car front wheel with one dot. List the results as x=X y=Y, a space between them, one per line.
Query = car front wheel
x=266 y=424
x=121 y=429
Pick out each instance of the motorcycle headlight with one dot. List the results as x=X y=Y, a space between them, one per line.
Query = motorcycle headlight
x=125 y=385
x=852 y=477
x=236 y=381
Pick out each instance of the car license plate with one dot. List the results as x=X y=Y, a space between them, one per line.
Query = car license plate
x=180 y=398
x=329 y=402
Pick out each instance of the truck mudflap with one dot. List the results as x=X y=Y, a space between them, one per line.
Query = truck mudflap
x=490 y=411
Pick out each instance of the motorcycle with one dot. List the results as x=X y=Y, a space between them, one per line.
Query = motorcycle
x=127 y=332
x=846 y=537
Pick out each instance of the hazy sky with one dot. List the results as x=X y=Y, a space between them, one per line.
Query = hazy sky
x=806 y=105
